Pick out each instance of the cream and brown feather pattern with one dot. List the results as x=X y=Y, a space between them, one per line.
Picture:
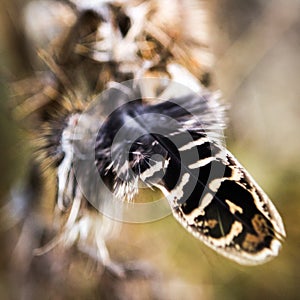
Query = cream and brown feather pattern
x=148 y=64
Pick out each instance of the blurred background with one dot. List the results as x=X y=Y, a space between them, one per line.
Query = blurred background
x=257 y=48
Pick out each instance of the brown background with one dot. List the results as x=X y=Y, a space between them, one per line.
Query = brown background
x=257 y=45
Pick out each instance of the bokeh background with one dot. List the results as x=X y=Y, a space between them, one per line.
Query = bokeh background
x=257 y=48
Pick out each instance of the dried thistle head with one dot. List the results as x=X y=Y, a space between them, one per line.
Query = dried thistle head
x=161 y=56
